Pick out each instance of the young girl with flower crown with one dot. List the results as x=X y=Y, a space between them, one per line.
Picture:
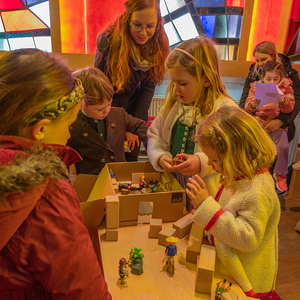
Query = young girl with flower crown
x=131 y=52
x=243 y=218
x=195 y=91
x=45 y=249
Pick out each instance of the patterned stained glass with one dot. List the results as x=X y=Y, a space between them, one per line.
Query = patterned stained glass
x=10 y=4
x=209 y=2
x=222 y=51
x=174 y=4
x=220 y=27
x=21 y=20
x=25 y=24
x=4 y=45
x=208 y=23
x=42 y=11
x=186 y=27
x=218 y=19
x=234 y=25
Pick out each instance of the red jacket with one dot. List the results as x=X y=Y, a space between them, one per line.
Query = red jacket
x=45 y=249
x=271 y=112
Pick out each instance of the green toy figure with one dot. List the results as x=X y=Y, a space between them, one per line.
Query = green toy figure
x=171 y=251
x=123 y=271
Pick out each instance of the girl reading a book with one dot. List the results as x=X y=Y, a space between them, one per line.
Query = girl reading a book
x=273 y=73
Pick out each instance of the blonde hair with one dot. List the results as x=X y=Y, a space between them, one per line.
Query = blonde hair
x=97 y=86
x=156 y=49
x=30 y=80
x=266 y=47
x=203 y=50
x=243 y=147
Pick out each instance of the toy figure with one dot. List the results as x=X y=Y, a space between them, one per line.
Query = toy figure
x=143 y=182
x=136 y=261
x=171 y=251
x=112 y=174
x=151 y=183
x=123 y=271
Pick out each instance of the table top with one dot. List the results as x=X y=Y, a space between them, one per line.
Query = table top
x=154 y=281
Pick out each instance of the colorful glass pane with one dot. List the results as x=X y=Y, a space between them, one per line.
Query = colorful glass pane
x=236 y=3
x=174 y=4
x=42 y=11
x=21 y=20
x=4 y=45
x=171 y=33
x=222 y=51
x=22 y=42
x=186 y=27
x=11 y=4
x=209 y=2
x=233 y=52
x=221 y=27
x=33 y=1
x=234 y=25
x=208 y=23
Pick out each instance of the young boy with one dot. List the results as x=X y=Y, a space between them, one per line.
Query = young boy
x=99 y=132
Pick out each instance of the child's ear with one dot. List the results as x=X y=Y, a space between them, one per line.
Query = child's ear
x=36 y=131
x=206 y=81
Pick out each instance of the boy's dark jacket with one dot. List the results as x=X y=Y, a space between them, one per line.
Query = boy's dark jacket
x=94 y=150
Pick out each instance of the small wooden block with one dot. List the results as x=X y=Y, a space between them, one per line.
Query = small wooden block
x=155 y=228
x=116 y=187
x=205 y=269
x=113 y=181
x=194 y=243
x=146 y=297
x=111 y=234
x=165 y=233
x=183 y=226
x=231 y=295
x=244 y=297
x=112 y=211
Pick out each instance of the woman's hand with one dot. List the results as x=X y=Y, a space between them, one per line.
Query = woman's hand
x=166 y=163
x=274 y=125
x=190 y=167
x=131 y=139
x=197 y=191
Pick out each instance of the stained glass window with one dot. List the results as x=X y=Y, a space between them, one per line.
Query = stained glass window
x=218 y=19
x=25 y=24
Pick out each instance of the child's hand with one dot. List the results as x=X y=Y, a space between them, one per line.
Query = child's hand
x=190 y=166
x=166 y=163
x=282 y=101
x=197 y=191
x=131 y=139
x=254 y=103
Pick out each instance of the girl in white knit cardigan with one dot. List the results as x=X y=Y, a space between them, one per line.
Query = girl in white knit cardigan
x=243 y=218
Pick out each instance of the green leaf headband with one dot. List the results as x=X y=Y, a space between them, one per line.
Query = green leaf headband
x=60 y=107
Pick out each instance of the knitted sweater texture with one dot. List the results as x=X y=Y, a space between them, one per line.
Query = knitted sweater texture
x=243 y=228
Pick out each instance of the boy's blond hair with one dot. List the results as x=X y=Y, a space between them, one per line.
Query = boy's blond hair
x=97 y=87
x=203 y=50
x=242 y=145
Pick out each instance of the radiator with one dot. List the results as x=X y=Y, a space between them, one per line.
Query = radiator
x=295 y=141
x=156 y=103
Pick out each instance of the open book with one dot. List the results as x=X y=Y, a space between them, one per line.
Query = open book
x=267 y=93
